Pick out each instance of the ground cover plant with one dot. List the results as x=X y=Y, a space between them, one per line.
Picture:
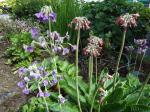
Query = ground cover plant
x=49 y=64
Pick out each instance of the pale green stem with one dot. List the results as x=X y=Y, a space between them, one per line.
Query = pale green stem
x=46 y=104
x=140 y=94
x=49 y=23
x=130 y=59
x=99 y=109
x=93 y=100
x=77 y=70
x=135 y=62
x=119 y=58
x=96 y=68
x=90 y=72
x=141 y=63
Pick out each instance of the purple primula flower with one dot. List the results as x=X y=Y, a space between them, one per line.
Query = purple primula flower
x=74 y=48
x=56 y=49
x=34 y=32
x=45 y=73
x=41 y=68
x=28 y=48
x=54 y=82
x=42 y=41
x=22 y=70
x=26 y=79
x=26 y=91
x=42 y=17
x=47 y=94
x=21 y=84
x=61 y=99
x=54 y=35
x=52 y=16
x=142 y=50
x=54 y=73
x=41 y=94
x=140 y=42
x=65 y=51
x=45 y=82
x=35 y=75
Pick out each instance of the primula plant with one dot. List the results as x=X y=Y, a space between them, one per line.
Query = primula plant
x=58 y=86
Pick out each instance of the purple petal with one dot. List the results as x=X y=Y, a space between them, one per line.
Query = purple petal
x=26 y=91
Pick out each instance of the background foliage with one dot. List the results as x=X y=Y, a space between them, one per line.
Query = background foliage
x=103 y=16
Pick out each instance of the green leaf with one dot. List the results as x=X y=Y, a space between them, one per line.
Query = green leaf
x=137 y=108
x=113 y=107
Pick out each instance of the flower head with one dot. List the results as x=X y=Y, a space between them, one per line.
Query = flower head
x=28 y=48
x=46 y=14
x=45 y=82
x=80 y=23
x=47 y=94
x=26 y=91
x=34 y=32
x=41 y=93
x=127 y=20
x=61 y=99
x=22 y=70
x=21 y=84
x=94 y=46
x=65 y=51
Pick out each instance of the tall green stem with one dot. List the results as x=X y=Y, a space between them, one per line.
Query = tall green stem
x=141 y=63
x=119 y=57
x=77 y=70
x=140 y=94
x=90 y=72
x=96 y=68
x=46 y=104
x=135 y=62
x=49 y=24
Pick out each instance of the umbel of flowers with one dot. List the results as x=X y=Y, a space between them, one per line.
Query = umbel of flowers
x=80 y=23
x=124 y=21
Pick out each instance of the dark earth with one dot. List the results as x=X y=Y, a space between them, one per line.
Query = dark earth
x=11 y=97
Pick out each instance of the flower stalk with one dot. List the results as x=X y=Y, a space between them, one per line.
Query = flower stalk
x=119 y=57
x=77 y=69
x=96 y=69
x=90 y=73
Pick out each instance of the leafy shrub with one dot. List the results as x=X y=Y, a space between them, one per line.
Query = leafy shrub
x=103 y=16
x=27 y=8
x=15 y=51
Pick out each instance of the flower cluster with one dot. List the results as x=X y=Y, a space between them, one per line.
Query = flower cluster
x=142 y=45
x=28 y=48
x=127 y=20
x=94 y=46
x=38 y=76
x=46 y=14
x=53 y=39
x=34 y=32
x=80 y=23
